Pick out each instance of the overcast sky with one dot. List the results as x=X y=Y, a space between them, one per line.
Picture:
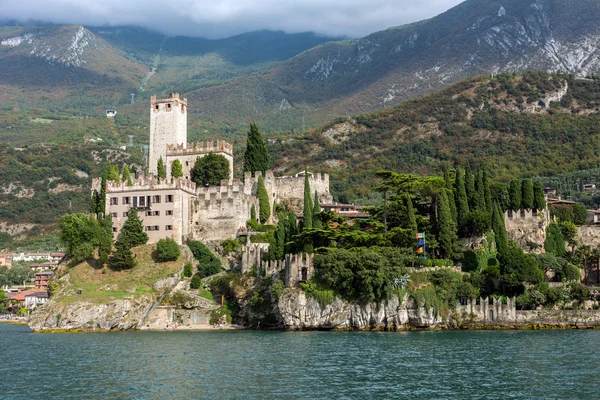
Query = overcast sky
x=220 y=18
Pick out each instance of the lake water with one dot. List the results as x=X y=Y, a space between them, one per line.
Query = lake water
x=277 y=365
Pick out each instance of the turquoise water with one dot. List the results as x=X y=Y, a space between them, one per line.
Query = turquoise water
x=276 y=365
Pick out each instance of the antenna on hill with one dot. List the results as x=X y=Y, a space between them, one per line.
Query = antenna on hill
x=132 y=98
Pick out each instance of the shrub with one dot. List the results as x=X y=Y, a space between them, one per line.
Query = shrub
x=209 y=264
x=196 y=282
x=188 y=269
x=216 y=315
x=579 y=292
x=167 y=250
x=277 y=288
x=323 y=295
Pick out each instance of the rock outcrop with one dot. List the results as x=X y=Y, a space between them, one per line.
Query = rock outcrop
x=300 y=312
x=114 y=315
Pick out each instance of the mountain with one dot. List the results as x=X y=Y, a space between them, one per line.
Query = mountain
x=75 y=66
x=382 y=69
x=518 y=125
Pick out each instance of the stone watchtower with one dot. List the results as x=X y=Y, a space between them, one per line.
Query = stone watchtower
x=168 y=125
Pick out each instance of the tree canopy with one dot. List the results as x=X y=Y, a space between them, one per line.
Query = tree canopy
x=210 y=170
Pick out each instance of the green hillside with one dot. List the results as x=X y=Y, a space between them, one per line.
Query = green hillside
x=506 y=122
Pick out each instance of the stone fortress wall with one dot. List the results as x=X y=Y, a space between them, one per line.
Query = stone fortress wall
x=187 y=155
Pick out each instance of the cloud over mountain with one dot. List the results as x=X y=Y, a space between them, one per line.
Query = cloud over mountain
x=220 y=18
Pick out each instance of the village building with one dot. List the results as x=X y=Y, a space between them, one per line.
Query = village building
x=182 y=210
x=42 y=279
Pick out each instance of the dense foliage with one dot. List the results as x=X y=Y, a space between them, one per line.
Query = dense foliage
x=210 y=170
x=208 y=263
x=167 y=250
x=256 y=156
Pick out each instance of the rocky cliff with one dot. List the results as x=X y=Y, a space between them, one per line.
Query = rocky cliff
x=115 y=315
x=300 y=312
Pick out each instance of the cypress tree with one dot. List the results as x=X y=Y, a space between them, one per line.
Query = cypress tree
x=176 y=169
x=527 y=194
x=555 y=241
x=539 y=200
x=105 y=240
x=102 y=198
x=452 y=204
x=410 y=217
x=94 y=202
x=264 y=208
x=308 y=209
x=470 y=187
x=291 y=230
x=462 y=203
x=446 y=227
x=447 y=178
x=500 y=235
x=279 y=252
x=479 y=198
x=487 y=193
x=514 y=194
x=316 y=212
x=253 y=213
x=256 y=157
x=162 y=174
x=127 y=175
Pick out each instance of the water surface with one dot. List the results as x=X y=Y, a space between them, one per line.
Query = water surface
x=275 y=365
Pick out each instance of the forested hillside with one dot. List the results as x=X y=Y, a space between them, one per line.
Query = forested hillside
x=534 y=124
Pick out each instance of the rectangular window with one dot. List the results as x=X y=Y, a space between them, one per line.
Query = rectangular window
x=187 y=163
x=148 y=213
x=114 y=215
x=125 y=200
x=147 y=228
x=141 y=201
x=156 y=213
x=156 y=199
x=169 y=212
x=169 y=227
x=114 y=229
x=169 y=198
x=125 y=214
x=156 y=228
x=114 y=201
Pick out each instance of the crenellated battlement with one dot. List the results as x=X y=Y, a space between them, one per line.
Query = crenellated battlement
x=144 y=183
x=173 y=98
x=180 y=149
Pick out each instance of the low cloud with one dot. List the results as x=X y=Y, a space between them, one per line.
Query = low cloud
x=221 y=18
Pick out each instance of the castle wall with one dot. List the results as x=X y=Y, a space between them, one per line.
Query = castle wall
x=523 y=226
x=290 y=189
x=218 y=212
x=187 y=155
x=168 y=125
x=486 y=310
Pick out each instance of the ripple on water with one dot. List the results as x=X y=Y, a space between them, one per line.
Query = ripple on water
x=347 y=365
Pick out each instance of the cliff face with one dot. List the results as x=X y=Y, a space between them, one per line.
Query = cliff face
x=300 y=312
x=114 y=315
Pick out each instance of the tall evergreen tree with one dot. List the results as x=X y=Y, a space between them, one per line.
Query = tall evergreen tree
x=106 y=239
x=452 y=203
x=132 y=234
x=253 y=212
x=177 y=169
x=527 y=196
x=256 y=157
x=264 y=207
x=470 y=186
x=307 y=220
x=94 y=198
x=514 y=193
x=127 y=175
x=291 y=230
x=500 y=235
x=410 y=217
x=448 y=178
x=479 y=198
x=487 y=192
x=555 y=241
x=162 y=174
x=101 y=199
x=446 y=227
x=316 y=212
x=462 y=203
x=539 y=200
x=279 y=251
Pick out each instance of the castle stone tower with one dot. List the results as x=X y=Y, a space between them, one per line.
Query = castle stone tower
x=168 y=125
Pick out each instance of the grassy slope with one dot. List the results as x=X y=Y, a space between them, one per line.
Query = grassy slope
x=101 y=285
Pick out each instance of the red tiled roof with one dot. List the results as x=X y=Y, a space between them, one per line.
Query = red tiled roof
x=21 y=295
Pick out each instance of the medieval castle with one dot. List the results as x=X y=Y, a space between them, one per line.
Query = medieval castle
x=179 y=208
